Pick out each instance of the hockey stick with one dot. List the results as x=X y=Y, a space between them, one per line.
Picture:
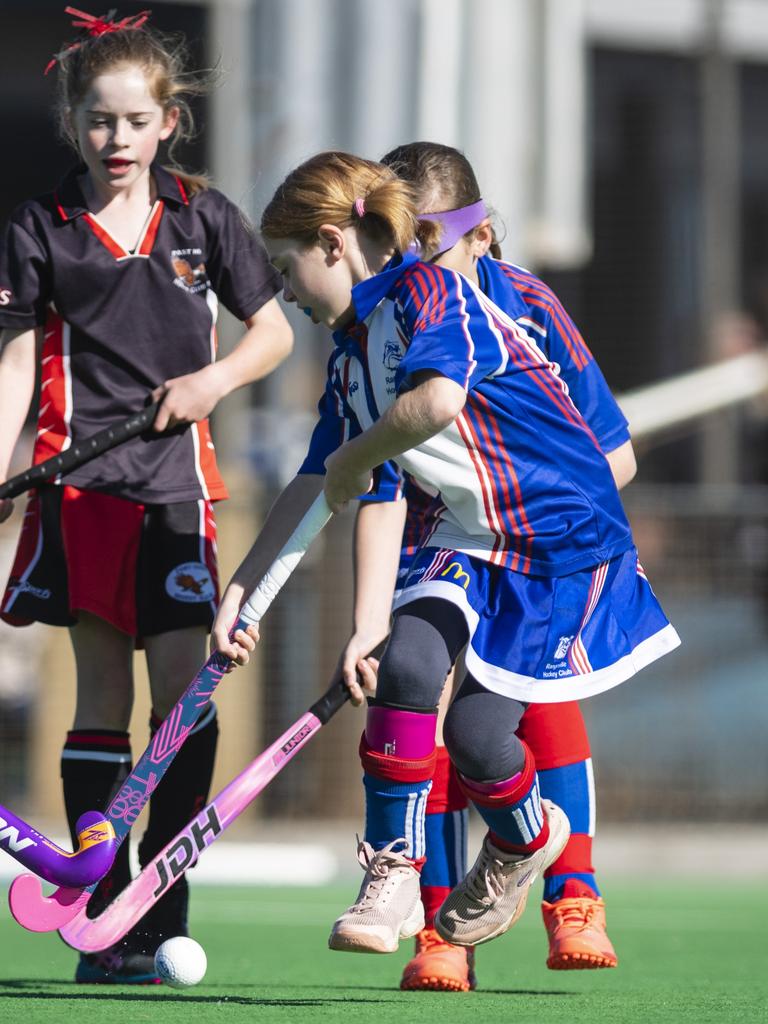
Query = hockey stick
x=93 y=934
x=83 y=451
x=96 y=849
x=96 y=837
x=40 y=913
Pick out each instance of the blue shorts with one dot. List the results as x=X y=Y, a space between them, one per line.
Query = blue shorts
x=546 y=639
x=406 y=561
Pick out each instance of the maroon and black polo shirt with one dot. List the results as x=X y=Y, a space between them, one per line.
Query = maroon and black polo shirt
x=117 y=324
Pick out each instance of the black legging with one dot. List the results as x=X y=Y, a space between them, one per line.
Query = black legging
x=427 y=637
x=479 y=733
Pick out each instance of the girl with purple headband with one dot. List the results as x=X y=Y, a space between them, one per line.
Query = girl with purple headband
x=116 y=277
x=531 y=546
x=573 y=909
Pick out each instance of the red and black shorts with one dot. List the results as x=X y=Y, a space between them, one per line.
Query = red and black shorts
x=145 y=569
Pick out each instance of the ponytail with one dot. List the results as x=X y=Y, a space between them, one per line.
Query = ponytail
x=342 y=189
x=442 y=179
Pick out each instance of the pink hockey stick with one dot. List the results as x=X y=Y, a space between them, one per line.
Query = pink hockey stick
x=93 y=934
x=39 y=913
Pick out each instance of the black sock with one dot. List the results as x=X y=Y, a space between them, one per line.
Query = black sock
x=94 y=765
x=182 y=793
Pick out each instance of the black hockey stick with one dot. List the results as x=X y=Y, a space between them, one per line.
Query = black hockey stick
x=81 y=452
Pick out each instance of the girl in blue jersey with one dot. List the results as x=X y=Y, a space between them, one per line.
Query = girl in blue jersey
x=117 y=276
x=573 y=910
x=531 y=546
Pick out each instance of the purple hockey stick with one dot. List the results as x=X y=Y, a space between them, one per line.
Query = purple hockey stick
x=40 y=913
x=93 y=934
x=97 y=843
x=96 y=849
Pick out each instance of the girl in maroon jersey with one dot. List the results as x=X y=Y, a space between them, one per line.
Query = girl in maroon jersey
x=111 y=286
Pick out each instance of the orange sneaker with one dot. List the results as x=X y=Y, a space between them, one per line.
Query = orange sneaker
x=439 y=966
x=577 y=937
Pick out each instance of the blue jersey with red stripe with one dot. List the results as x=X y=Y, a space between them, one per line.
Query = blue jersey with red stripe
x=424 y=508
x=536 y=308
x=521 y=476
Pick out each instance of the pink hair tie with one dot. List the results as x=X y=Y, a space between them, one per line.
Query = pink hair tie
x=359 y=205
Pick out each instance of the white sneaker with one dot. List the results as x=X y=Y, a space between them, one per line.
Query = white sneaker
x=493 y=895
x=388 y=906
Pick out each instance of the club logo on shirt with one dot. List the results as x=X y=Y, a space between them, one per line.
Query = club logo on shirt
x=5 y=296
x=562 y=647
x=191 y=583
x=392 y=355
x=189 y=268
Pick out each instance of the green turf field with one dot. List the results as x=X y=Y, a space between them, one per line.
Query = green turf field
x=688 y=953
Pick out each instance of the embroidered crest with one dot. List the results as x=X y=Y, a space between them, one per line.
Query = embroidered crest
x=191 y=583
x=189 y=268
x=392 y=355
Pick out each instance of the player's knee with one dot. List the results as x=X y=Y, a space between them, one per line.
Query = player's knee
x=425 y=641
x=483 y=750
x=409 y=678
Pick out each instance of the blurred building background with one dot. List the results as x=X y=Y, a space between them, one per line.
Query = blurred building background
x=624 y=148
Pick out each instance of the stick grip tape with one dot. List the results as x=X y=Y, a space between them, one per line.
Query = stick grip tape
x=80 y=453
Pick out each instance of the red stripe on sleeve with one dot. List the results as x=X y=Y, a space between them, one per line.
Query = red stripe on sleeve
x=533 y=289
x=438 y=294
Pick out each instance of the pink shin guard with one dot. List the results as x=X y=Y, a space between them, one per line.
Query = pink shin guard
x=404 y=734
x=505 y=791
x=512 y=809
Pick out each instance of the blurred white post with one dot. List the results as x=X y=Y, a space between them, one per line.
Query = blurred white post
x=229 y=146
x=560 y=235
x=230 y=140
x=441 y=61
x=720 y=258
x=498 y=125
x=380 y=81
x=293 y=85
x=303 y=93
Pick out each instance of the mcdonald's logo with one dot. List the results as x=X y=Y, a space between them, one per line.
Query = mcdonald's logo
x=458 y=574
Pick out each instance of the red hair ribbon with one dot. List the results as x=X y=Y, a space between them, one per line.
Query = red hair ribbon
x=97 y=27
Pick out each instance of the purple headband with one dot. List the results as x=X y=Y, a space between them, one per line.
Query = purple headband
x=456 y=223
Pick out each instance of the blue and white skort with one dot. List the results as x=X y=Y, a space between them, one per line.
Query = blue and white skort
x=544 y=639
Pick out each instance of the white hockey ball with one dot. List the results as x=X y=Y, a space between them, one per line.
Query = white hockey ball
x=181 y=962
